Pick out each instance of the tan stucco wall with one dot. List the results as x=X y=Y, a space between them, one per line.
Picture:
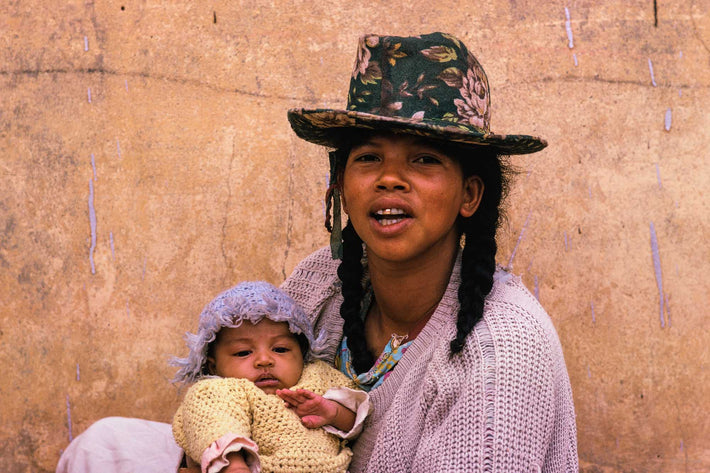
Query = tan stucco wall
x=197 y=182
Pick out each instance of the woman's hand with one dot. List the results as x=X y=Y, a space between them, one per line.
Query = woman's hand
x=316 y=411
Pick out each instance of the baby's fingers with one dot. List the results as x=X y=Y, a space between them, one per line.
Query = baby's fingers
x=297 y=397
x=287 y=395
x=304 y=395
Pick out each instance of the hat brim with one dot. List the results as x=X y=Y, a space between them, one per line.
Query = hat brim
x=324 y=126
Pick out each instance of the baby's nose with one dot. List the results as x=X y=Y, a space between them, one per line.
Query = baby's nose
x=264 y=359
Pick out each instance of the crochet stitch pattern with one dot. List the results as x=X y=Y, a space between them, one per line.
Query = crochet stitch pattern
x=217 y=406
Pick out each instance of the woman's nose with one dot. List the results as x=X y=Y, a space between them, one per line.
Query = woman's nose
x=392 y=178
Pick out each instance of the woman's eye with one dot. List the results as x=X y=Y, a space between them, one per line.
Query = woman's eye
x=427 y=159
x=282 y=349
x=242 y=353
x=366 y=158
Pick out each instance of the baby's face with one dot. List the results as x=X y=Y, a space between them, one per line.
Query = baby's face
x=267 y=354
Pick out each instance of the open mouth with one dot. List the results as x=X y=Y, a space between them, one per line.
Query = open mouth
x=387 y=217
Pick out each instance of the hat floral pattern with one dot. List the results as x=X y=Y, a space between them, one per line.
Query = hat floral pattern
x=428 y=85
x=368 y=73
x=473 y=106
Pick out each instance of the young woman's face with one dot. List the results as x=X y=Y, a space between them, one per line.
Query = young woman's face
x=267 y=354
x=403 y=197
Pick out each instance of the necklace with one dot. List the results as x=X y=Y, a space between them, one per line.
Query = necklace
x=397 y=340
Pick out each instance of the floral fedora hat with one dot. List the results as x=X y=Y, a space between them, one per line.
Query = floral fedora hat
x=428 y=85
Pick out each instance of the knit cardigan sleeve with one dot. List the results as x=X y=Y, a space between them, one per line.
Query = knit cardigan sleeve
x=212 y=408
x=315 y=286
x=504 y=404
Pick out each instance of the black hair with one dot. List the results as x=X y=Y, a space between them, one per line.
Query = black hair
x=479 y=252
x=303 y=344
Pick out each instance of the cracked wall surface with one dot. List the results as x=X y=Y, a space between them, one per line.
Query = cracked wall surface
x=147 y=164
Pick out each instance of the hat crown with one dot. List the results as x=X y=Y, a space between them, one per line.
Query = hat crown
x=432 y=78
x=428 y=85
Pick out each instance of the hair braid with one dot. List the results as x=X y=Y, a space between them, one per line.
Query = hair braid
x=350 y=272
x=478 y=258
x=477 y=268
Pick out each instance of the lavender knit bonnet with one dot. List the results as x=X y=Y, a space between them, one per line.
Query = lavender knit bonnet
x=250 y=301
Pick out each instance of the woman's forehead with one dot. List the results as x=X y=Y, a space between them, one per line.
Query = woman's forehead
x=381 y=138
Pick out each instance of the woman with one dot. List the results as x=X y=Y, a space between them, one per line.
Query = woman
x=464 y=367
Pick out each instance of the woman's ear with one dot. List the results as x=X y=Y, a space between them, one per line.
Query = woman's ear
x=211 y=365
x=473 y=193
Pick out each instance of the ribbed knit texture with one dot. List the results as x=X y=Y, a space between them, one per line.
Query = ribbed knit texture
x=216 y=406
x=504 y=404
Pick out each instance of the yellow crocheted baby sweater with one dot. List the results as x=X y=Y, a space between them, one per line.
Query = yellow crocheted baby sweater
x=216 y=406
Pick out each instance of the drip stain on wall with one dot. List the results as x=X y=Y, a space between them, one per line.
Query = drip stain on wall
x=568 y=28
x=93 y=166
x=659 y=278
x=650 y=69
x=69 y=423
x=92 y=223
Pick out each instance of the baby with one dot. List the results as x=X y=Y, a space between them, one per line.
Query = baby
x=260 y=396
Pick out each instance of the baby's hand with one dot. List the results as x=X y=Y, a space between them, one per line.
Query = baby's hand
x=314 y=410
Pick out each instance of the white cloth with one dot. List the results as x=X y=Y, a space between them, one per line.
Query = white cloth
x=122 y=445
x=357 y=401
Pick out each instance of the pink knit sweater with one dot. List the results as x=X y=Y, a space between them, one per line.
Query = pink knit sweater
x=503 y=405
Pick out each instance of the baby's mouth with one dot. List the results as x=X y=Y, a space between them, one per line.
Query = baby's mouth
x=266 y=380
x=391 y=216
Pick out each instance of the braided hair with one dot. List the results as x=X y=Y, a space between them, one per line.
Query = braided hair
x=477 y=261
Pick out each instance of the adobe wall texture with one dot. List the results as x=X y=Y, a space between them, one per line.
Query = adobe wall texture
x=147 y=164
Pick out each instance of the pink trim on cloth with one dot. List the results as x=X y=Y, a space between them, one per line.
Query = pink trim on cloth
x=214 y=458
x=354 y=399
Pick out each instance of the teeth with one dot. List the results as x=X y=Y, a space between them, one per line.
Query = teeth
x=390 y=212
x=390 y=221
x=390 y=216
